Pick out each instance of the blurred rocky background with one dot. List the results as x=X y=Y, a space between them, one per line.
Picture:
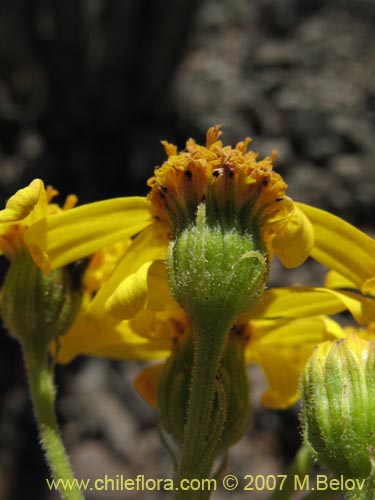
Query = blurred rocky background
x=88 y=88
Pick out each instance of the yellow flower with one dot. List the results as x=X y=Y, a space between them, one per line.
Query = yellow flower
x=280 y=347
x=29 y=206
x=281 y=330
x=291 y=230
x=93 y=330
x=146 y=323
x=97 y=333
x=285 y=324
x=35 y=308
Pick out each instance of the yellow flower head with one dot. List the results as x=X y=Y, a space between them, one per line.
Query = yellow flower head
x=26 y=207
x=294 y=233
x=280 y=332
x=133 y=286
x=236 y=189
x=35 y=308
x=229 y=180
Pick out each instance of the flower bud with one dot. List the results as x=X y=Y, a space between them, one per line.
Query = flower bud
x=231 y=397
x=38 y=308
x=338 y=398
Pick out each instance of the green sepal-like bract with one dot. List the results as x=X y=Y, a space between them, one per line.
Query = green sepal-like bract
x=37 y=308
x=173 y=389
x=231 y=393
x=216 y=271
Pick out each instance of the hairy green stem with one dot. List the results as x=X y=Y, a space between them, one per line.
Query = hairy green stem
x=203 y=428
x=42 y=390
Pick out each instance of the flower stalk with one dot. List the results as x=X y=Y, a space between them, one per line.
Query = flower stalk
x=215 y=271
x=42 y=391
x=37 y=309
x=203 y=428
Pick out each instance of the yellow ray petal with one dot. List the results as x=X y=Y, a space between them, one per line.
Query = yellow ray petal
x=29 y=202
x=107 y=338
x=150 y=245
x=281 y=333
x=336 y=280
x=282 y=347
x=160 y=325
x=146 y=288
x=292 y=238
x=102 y=265
x=361 y=308
x=343 y=248
x=297 y=302
x=73 y=234
x=131 y=295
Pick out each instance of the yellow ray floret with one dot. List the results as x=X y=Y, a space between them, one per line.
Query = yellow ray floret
x=27 y=208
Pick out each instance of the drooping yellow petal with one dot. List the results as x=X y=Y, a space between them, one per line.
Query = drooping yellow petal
x=291 y=238
x=361 y=308
x=95 y=332
x=159 y=294
x=281 y=348
x=150 y=245
x=27 y=203
x=108 y=338
x=146 y=288
x=289 y=332
x=81 y=231
x=297 y=302
x=336 y=280
x=343 y=248
x=131 y=295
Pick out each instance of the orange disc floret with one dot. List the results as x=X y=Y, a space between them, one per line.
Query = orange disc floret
x=236 y=187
